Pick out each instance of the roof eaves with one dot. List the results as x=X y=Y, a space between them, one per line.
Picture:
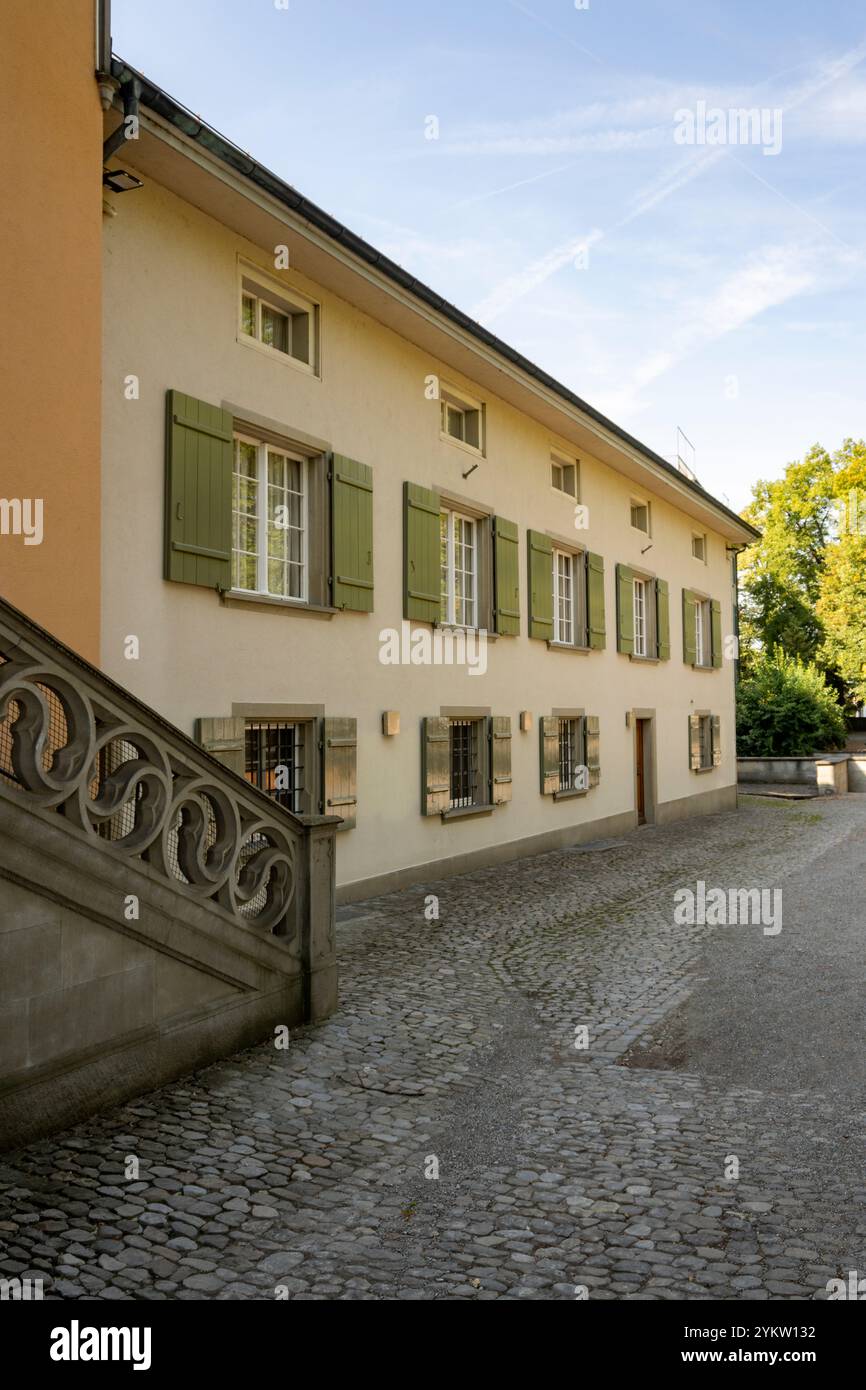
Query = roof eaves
x=243 y=163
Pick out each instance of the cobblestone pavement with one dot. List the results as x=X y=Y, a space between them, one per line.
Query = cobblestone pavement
x=559 y=1167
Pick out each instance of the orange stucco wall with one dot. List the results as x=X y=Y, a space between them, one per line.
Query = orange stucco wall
x=50 y=291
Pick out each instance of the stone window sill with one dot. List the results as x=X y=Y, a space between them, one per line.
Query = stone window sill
x=570 y=794
x=460 y=812
x=458 y=627
x=315 y=610
x=566 y=647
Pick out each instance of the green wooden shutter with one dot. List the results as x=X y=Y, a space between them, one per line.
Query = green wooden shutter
x=224 y=739
x=198 y=492
x=340 y=770
x=716 y=612
x=435 y=765
x=595 y=601
x=500 y=758
x=695 y=742
x=593 y=754
x=663 y=620
x=548 y=731
x=540 y=585
x=690 y=648
x=716 y=725
x=422 y=563
x=506 y=577
x=624 y=609
x=351 y=534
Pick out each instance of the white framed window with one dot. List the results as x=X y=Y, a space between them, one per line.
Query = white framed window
x=699 y=547
x=563 y=597
x=640 y=516
x=564 y=475
x=703 y=632
x=461 y=419
x=640 y=617
x=458 y=550
x=269 y=521
x=277 y=319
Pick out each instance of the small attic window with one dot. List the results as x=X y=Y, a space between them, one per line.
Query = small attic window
x=563 y=475
x=461 y=419
x=278 y=321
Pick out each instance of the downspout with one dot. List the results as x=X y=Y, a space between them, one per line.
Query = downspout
x=130 y=91
x=735 y=551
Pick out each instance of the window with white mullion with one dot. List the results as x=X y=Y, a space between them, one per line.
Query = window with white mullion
x=269 y=541
x=459 y=569
x=703 y=633
x=563 y=597
x=640 y=618
x=245 y=511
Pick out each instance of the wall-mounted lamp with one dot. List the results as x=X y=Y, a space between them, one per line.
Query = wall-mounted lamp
x=119 y=181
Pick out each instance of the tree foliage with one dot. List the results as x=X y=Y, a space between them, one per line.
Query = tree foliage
x=785 y=708
x=803 y=585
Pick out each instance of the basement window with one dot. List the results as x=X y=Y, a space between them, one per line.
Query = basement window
x=275 y=760
x=572 y=768
x=467 y=772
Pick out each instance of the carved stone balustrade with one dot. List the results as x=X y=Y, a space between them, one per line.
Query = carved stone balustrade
x=164 y=910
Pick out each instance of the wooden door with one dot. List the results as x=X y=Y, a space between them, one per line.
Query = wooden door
x=639 y=768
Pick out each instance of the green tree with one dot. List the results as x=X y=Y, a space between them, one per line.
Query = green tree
x=841 y=604
x=785 y=708
x=781 y=574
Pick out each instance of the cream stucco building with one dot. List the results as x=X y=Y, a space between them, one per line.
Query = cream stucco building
x=312 y=466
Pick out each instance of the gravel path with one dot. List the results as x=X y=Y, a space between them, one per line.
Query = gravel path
x=305 y=1173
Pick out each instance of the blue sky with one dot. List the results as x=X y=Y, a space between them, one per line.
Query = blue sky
x=716 y=288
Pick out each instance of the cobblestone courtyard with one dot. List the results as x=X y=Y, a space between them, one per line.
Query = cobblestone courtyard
x=305 y=1168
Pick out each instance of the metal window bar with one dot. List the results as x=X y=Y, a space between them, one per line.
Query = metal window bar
x=706 y=741
x=274 y=761
x=464 y=762
x=570 y=752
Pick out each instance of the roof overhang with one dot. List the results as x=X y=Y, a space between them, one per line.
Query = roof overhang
x=177 y=150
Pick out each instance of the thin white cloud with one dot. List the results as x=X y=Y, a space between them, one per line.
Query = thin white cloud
x=532 y=276
x=766 y=280
x=509 y=291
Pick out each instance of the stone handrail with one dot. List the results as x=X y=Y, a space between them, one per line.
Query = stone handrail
x=74 y=743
